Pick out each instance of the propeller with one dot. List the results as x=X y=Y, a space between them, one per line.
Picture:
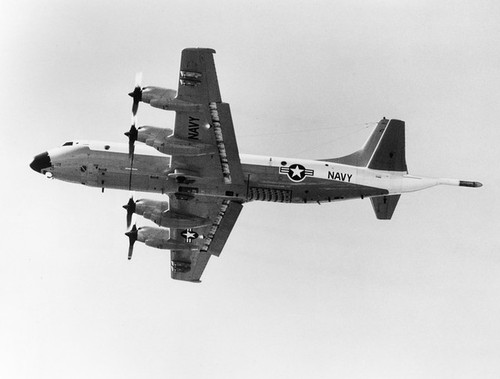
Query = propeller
x=130 y=207
x=132 y=137
x=132 y=237
x=136 y=94
x=133 y=133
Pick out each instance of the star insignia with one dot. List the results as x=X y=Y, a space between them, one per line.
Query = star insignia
x=296 y=171
x=189 y=235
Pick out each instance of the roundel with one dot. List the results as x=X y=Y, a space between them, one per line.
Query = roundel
x=189 y=235
x=296 y=172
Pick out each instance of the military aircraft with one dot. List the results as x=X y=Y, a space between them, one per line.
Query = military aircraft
x=207 y=181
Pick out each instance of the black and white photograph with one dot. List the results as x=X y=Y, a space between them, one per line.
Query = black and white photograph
x=250 y=189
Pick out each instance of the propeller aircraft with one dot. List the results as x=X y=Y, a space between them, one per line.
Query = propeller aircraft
x=207 y=181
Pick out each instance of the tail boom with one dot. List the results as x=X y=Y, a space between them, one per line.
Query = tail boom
x=411 y=183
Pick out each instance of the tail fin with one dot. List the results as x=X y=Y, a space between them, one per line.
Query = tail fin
x=384 y=150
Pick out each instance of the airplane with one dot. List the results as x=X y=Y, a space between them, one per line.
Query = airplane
x=207 y=181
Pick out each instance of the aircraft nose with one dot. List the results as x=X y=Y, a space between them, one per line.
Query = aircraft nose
x=40 y=162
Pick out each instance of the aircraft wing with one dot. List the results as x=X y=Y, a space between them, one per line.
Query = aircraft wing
x=205 y=163
x=207 y=124
x=208 y=239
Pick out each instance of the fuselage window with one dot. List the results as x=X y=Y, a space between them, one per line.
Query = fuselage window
x=106 y=147
x=68 y=144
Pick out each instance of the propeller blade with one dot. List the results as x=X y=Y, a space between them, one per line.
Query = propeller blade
x=131 y=169
x=136 y=94
x=138 y=79
x=130 y=207
x=132 y=237
x=132 y=135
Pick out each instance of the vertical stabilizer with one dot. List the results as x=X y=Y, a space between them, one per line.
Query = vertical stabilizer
x=384 y=150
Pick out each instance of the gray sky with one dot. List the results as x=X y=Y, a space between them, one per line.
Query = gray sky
x=299 y=291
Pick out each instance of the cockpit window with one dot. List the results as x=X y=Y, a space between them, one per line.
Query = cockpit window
x=68 y=144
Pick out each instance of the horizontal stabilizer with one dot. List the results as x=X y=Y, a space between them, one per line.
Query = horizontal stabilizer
x=384 y=206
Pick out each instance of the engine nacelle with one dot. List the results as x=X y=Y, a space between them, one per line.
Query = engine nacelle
x=163 y=140
x=160 y=238
x=165 y=98
x=151 y=209
x=153 y=136
x=157 y=95
x=176 y=220
x=158 y=212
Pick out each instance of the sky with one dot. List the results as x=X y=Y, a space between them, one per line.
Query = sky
x=324 y=291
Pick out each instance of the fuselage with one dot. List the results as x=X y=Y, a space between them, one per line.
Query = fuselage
x=277 y=179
